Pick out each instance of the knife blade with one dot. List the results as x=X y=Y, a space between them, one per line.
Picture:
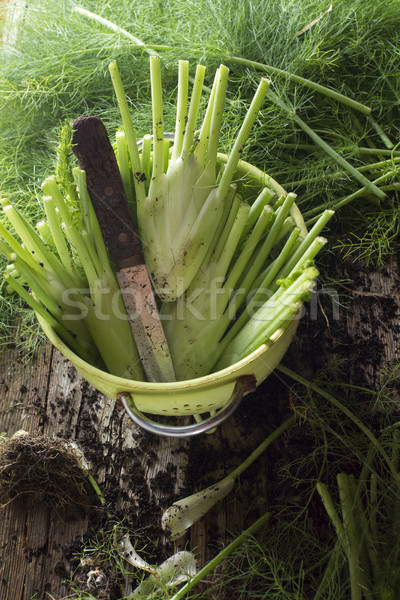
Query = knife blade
x=95 y=154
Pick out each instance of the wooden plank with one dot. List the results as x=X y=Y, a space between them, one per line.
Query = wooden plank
x=354 y=323
x=49 y=396
x=375 y=325
x=23 y=390
x=31 y=535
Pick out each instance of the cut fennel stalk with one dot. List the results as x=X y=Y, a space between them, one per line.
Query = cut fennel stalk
x=183 y=206
x=183 y=513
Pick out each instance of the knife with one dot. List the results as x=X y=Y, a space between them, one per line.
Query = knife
x=95 y=154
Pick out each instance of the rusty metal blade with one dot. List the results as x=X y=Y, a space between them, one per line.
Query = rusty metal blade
x=145 y=323
x=96 y=157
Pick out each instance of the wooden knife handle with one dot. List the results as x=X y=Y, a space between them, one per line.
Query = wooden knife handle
x=95 y=154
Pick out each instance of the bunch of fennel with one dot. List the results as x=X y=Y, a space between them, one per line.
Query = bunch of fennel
x=231 y=267
x=180 y=208
x=230 y=274
x=62 y=270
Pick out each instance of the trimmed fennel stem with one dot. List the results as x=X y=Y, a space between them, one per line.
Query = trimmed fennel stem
x=207 y=147
x=262 y=288
x=351 y=549
x=40 y=288
x=181 y=109
x=65 y=294
x=158 y=126
x=260 y=202
x=129 y=132
x=185 y=208
x=210 y=331
x=298 y=255
x=183 y=513
x=123 y=163
x=184 y=203
x=40 y=309
x=59 y=239
x=228 y=243
x=269 y=242
x=47 y=286
x=353 y=536
x=236 y=152
x=18 y=249
x=242 y=260
x=211 y=289
x=269 y=318
x=149 y=48
x=205 y=153
x=193 y=110
x=35 y=246
x=51 y=189
x=367 y=526
x=212 y=277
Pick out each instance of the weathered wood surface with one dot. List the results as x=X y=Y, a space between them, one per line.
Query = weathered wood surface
x=47 y=396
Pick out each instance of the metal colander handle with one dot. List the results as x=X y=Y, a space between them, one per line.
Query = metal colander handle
x=244 y=384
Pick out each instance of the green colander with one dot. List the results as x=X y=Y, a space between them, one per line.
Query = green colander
x=217 y=394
